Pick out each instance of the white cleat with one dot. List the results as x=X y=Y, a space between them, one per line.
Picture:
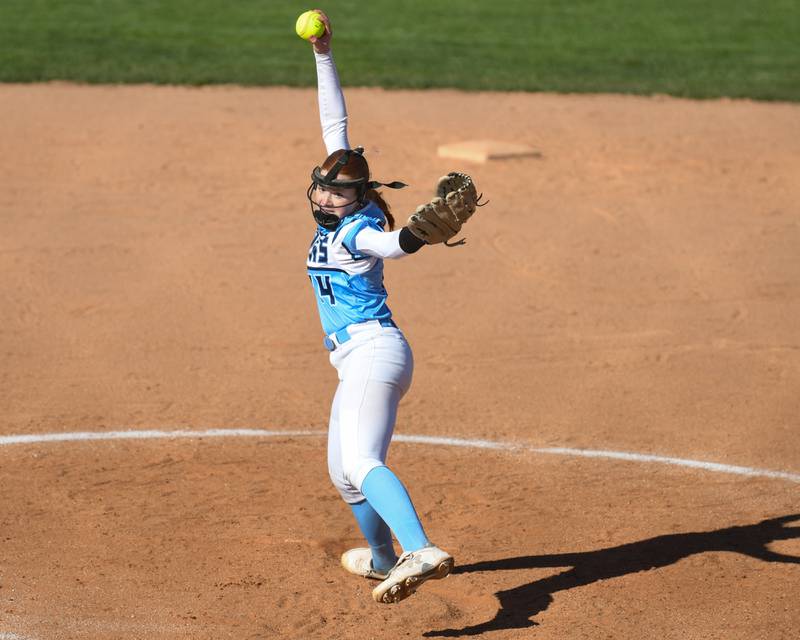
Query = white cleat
x=359 y=562
x=411 y=571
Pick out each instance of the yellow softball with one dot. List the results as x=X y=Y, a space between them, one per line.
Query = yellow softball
x=309 y=24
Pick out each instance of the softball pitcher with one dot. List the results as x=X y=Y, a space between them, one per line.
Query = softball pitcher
x=354 y=235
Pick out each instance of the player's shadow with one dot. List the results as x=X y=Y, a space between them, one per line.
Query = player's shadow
x=519 y=605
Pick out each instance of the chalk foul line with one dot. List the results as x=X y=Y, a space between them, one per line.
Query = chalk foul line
x=151 y=434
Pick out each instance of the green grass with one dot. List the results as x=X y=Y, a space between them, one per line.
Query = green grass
x=711 y=48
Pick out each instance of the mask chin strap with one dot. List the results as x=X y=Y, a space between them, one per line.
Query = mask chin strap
x=325 y=220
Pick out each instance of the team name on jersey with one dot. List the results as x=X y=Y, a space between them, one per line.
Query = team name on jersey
x=318 y=251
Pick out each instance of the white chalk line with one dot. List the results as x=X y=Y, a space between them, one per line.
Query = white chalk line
x=150 y=434
x=432 y=440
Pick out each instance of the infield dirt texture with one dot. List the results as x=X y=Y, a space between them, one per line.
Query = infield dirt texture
x=635 y=289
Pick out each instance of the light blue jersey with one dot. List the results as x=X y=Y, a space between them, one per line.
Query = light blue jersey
x=348 y=285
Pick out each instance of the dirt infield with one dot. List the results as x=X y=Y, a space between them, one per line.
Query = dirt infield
x=635 y=289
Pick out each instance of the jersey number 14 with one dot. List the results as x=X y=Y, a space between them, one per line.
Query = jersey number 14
x=324 y=287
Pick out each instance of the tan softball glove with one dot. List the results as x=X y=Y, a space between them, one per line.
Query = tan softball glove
x=441 y=218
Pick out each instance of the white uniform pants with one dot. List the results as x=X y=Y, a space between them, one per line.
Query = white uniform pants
x=375 y=368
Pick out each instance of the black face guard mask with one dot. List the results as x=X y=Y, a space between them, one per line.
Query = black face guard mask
x=330 y=221
x=325 y=219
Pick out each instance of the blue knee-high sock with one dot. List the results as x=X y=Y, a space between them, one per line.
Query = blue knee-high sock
x=378 y=535
x=387 y=495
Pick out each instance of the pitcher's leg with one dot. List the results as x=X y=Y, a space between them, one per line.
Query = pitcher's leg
x=336 y=469
x=389 y=498
x=375 y=379
x=378 y=536
x=375 y=530
x=368 y=430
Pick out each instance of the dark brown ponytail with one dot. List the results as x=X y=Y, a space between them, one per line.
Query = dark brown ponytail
x=374 y=196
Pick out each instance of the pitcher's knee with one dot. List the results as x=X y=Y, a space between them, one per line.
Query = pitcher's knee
x=357 y=470
x=347 y=491
x=348 y=475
